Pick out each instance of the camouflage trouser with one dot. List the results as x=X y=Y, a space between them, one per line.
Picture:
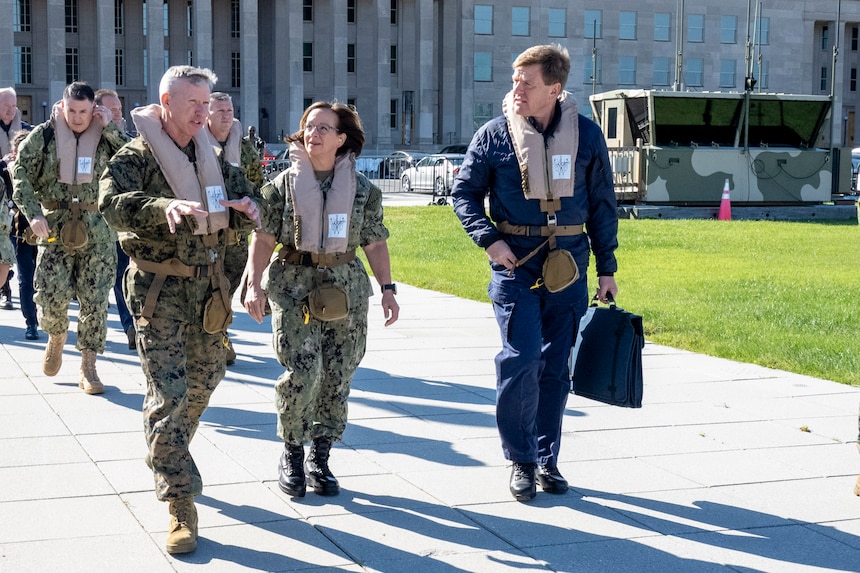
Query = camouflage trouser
x=235 y=259
x=183 y=365
x=87 y=273
x=321 y=359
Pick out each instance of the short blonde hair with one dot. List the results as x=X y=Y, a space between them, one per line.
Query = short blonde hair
x=553 y=59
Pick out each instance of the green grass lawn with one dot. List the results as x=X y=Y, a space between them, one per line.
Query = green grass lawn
x=780 y=294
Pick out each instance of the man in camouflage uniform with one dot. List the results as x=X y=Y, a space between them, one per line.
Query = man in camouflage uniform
x=174 y=199
x=226 y=131
x=56 y=188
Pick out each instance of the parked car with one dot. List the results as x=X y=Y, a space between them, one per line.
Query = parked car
x=270 y=152
x=393 y=166
x=455 y=148
x=432 y=173
x=855 y=169
x=274 y=166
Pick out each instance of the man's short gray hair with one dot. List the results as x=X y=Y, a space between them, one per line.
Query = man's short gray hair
x=220 y=96
x=196 y=76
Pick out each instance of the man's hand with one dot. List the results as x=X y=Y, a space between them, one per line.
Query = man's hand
x=606 y=285
x=246 y=206
x=103 y=115
x=177 y=208
x=501 y=254
x=255 y=302
x=39 y=226
x=390 y=308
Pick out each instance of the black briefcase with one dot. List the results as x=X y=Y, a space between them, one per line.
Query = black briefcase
x=606 y=359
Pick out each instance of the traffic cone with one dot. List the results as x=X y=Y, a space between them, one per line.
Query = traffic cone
x=725 y=213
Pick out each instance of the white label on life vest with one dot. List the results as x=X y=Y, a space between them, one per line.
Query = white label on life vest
x=214 y=193
x=337 y=226
x=561 y=166
x=85 y=165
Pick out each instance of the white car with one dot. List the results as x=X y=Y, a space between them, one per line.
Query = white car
x=432 y=173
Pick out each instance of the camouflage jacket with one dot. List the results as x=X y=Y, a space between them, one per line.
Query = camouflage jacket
x=133 y=197
x=365 y=227
x=36 y=174
x=250 y=160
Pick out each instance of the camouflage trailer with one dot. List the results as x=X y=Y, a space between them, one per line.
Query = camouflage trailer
x=679 y=148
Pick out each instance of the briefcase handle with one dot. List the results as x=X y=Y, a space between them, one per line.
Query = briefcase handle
x=611 y=300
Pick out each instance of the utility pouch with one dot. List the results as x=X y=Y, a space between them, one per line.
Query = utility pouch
x=217 y=316
x=74 y=235
x=559 y=270
x=328 y=302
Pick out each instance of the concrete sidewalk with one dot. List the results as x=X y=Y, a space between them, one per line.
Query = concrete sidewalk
x=727 y=467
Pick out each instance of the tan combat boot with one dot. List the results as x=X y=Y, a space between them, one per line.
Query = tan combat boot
x=54 y=354
x=182 y=535
x=89 y=377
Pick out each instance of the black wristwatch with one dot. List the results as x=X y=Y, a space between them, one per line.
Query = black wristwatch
x=390 y=286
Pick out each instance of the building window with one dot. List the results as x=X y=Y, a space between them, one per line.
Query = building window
x=72 y=65
x=71 y=17
x=592 y=69
x=662 y=26
x=118 y=17
x=235 y=18
x=21 y=16
x=519 y=21
x=823 y=84
x=236 y=70
x=145 y=67
x=307 y=57
x=483 y=66
x=165 y=19
x=392 y=114
x=483 y=19
x=392 y=60
x=825 y=31
x=627 y=26
x=729 y=30
x=393 y=12
x=308 y=10
x=350 y=11
x=727 y=73
x=852 y=85
x=189 y=57
x=145 y=19
x=306 y=102
x=483 y=112
x=662 y=67
x=23 y=65
x=189 y=18
x=696 y=28
x=350 y=58
x=764 y=76
x=119 y=67
x=764 y=31
x=593 y=25
x=350 y=101
x=557 y=23
x=695 y=74
x=166 y=62
x=854 y=32
x=627 y=70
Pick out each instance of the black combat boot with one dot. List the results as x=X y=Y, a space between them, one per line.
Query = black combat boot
x=319 y=476
x=523 y=486
x=291 y=474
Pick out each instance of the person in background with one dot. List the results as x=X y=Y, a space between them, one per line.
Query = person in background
x=173 y=199
x=255 y=141
x=551 y=197
x=320 y=210
x=226 y=133
x=24 y=243
x=56 y=188
x=10 y=124
x=110 y=100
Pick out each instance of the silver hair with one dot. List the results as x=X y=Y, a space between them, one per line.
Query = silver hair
x=196 y=76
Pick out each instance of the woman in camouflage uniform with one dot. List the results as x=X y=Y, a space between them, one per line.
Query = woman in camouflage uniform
x=319 y=210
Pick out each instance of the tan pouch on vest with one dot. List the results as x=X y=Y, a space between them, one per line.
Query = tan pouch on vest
x=559 y=270
x=328 y=302
x=74 y=235
x=217 y=316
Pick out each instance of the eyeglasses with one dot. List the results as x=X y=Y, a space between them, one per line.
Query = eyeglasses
x=322 y=128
